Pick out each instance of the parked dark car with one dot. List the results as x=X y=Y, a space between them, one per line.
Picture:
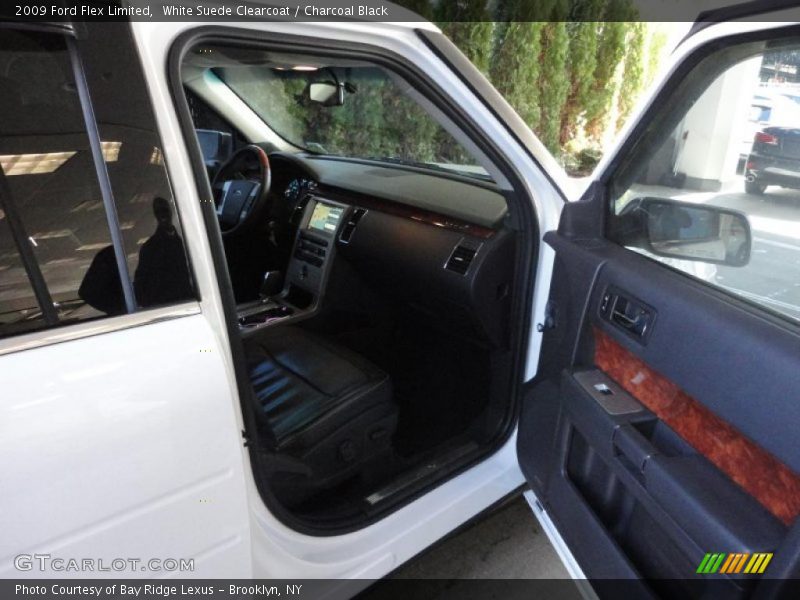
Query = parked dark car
x=774 y=160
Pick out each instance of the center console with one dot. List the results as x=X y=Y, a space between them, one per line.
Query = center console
x=307 y=272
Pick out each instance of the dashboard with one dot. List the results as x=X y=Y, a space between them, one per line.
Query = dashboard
x=437 y=243
x=451 y=197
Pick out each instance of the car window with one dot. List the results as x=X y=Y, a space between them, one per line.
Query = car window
x=760 y=113
x=58 y=265
x=148 y=218
x=206 y=118
x=368 y=113
x=727 y=139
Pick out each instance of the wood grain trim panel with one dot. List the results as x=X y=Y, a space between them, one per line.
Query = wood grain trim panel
x=757 y=471
x=407 y=212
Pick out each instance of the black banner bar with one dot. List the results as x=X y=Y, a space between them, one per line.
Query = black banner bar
x=465 y=11
x=386 y=589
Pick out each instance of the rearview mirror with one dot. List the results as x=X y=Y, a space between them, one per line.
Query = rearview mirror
x=326 y=93
x=696 y=232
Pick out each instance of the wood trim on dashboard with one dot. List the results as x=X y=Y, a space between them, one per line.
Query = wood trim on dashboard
x=754 y=469
x=408 y=212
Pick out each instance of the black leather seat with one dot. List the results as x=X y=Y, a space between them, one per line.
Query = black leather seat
x=320 y=403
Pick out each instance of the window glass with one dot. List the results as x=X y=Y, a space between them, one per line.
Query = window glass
x=147 y=215
x=18 y=308
x=57 y=262
x=352 y=110
x=728 y=141
x=205 y=117
x=50 y=183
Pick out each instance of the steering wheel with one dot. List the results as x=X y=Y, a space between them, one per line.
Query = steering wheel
x=241 y=187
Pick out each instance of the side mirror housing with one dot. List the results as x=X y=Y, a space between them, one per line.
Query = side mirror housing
x=215 y=145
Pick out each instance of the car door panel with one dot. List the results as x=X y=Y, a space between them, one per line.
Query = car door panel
x=758 y=472
x=703 y=459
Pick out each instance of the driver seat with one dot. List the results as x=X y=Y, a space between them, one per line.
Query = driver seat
x=321 y=404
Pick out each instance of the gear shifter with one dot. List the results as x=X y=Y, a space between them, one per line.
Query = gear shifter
x=271 y=286
x=269 y=309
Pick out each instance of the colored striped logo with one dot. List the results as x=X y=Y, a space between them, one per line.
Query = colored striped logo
x=721 y=562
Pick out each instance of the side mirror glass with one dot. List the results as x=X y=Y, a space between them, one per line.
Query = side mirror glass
x=326 y=93
x=696 y=232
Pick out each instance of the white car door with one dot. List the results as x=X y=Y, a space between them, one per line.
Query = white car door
x=121 y=451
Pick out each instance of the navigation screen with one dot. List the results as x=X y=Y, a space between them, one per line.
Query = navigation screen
x=325 y=217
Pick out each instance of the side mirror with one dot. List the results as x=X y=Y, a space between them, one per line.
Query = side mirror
x=215 y=145
x=695 y=232
x=326 y=93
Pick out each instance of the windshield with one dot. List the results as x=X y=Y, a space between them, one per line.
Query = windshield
x=357 y=112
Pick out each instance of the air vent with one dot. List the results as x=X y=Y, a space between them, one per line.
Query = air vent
x=461 y=259
x=350 y=226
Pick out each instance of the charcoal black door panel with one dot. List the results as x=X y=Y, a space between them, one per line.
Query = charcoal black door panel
x=710 y=461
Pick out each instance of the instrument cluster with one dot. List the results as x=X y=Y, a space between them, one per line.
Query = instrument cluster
x=296 y=188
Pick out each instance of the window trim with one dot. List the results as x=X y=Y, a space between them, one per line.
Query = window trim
x=103 y=179
x=100 y=326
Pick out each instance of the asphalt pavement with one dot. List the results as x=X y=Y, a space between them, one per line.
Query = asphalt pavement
x=508 y=544
x=505 y=556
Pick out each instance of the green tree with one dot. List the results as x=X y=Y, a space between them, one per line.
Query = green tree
x=553 y=84
x=562 y=64
x=469 y=25
x=581 y=62
x=424 y=8
x=655 y=51
x=610 y=51
x=516 y=68
x=515 y=62
x=632 y=72
x=412 y=131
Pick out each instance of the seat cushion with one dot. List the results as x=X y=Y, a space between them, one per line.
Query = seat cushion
x=307 y=388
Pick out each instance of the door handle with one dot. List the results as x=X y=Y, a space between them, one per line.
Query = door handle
x=630 y=315
x=637 y=324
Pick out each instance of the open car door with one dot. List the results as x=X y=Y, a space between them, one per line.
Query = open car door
x=660 y=435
